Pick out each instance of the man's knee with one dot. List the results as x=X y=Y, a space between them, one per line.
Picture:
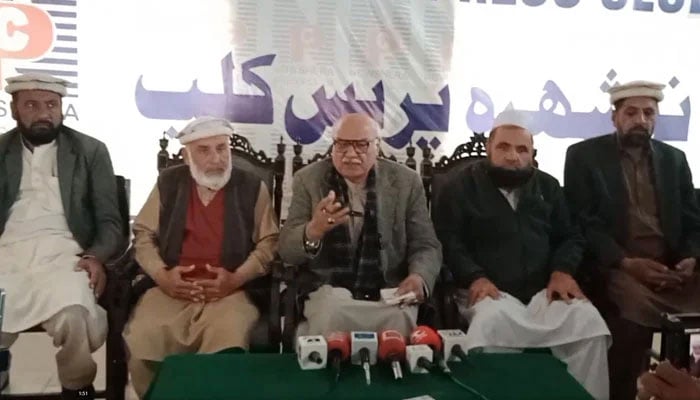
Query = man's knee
x=74 y=323
x=8 y=339
x=487 y=310
x=71 y=317
x=586 y=313
x=142 y=374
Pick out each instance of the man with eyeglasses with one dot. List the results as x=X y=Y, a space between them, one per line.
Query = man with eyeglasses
x=359 y=225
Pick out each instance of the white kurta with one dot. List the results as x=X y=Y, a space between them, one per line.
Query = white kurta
x=39 y=253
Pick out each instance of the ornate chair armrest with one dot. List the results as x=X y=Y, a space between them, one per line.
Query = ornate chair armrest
x=275 y=323
x=450 y=312
x=292 y=314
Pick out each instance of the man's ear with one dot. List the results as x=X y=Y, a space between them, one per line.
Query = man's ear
x=185 y=155
x=13 y=110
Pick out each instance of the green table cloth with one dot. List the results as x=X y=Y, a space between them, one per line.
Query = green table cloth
x=278 y=376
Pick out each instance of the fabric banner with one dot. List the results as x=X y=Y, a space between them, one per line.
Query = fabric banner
x=431 y=72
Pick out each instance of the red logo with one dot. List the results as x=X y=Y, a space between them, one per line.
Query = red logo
x=26 y=32
x=382 y=43
x=304 y=39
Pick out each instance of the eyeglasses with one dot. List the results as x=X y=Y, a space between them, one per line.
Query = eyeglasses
x=360 y=146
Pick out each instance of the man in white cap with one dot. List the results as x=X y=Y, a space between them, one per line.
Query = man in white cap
x=508 y=239
x=206 y=230
x=634 y=198
x=59 y=223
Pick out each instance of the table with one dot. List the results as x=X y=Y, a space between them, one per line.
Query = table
x=277 y=376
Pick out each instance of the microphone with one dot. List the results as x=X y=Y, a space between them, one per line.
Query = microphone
x=363 y=347
x=338 y=350
x=454 y=344
x=426 y=335
x=311 y=352
x=419 y=358
x=392 y=348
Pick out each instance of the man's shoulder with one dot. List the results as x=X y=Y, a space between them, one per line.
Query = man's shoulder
x=667 y=149
x=314 y=171
x=81 y=141
x=174 y=172
x=592 y=144
x=467 y=172
x=399 y=170
x=546 y=178
x=6 y=137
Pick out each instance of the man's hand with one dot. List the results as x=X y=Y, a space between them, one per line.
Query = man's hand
x=668 y=383
x=564 y=286
x=96 y=273
x=651 y=273
x=685 y=268
x=174 y=285
x=327 y=215
x=481 y=288
x=224 y=284
x=413 y=283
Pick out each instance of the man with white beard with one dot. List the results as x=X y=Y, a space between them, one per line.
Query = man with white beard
x=206 y=230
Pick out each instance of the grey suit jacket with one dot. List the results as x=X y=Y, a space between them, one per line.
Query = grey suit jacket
x=88 y=189
x=408 y=240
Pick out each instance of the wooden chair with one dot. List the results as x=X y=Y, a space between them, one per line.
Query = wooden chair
x=111 y=300
x=435 y=181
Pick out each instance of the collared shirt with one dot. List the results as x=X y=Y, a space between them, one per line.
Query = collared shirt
x=512 y=196
x=357 y=194
x=644 y=235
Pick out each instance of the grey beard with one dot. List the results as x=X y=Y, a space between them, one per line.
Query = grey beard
x=211 y=182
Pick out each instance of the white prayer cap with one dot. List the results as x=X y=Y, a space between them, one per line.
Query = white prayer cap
x=513 y=117
x=204 y=127
x=36 y=81
x=636 y=89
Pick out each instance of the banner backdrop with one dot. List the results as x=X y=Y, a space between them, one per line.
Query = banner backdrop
x=430 y=71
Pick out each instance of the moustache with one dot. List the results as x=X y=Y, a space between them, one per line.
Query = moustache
x=639 y=130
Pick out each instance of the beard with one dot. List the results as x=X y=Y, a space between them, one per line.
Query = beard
x=211 y=181
x=636 y=137
x=39 y=133
x=509 y=178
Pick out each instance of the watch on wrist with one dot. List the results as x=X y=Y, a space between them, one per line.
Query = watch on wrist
x=312 y=244
x=309 y=244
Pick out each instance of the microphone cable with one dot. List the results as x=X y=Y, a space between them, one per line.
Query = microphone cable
x=447 y=371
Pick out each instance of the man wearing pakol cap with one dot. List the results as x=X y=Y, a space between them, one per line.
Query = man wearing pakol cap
x=508 y=239
x=206 y=230
x=634 y=199
x=59 y=223
x=358 y=226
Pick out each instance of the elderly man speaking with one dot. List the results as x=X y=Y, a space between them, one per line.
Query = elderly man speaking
x=359 y=225
x=206 y=230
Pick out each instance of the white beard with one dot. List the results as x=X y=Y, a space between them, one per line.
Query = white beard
x=212 y=182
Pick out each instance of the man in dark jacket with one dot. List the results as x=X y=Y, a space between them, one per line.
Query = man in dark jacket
x=507 y=237
x=59 y=223
x=634 y=198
